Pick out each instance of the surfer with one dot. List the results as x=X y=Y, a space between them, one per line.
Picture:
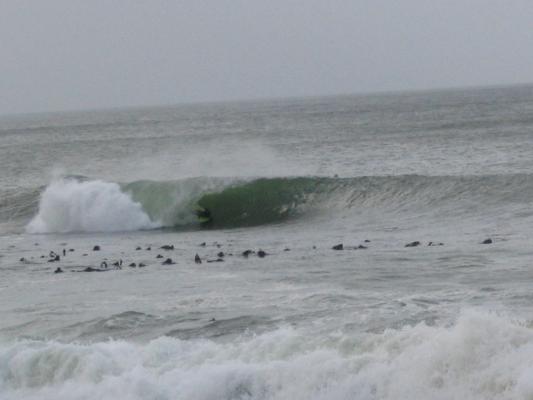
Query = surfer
x=203 y=214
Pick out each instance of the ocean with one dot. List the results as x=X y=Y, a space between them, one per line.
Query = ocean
x=349 y=247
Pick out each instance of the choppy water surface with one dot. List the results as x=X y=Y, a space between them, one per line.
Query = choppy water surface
x=376 y=320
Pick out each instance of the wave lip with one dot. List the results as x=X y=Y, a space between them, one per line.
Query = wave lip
x=69 y=205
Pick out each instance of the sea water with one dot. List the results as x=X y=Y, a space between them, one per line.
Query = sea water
x=293 y=178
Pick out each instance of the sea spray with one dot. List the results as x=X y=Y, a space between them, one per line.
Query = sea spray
x=70 y=205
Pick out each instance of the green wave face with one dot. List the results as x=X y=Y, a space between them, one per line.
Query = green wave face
x=259 y=202
x=210 y=202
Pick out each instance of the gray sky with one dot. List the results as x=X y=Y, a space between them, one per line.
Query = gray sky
x=77 y=54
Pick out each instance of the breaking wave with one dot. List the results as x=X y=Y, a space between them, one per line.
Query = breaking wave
x=69 y=205
x=81 y=205
x=481 y=356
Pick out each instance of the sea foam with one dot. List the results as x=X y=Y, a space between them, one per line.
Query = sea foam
x=69 y=205
x=480 y=356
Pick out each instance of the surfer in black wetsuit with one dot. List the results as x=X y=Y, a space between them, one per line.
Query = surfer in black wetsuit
x=203 y=214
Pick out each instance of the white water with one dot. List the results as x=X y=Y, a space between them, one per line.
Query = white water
x=481 y=356
x=388 y=322
x=68 y=205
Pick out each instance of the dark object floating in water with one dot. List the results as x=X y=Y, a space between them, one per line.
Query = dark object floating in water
x=197 y=259
x=435 y=244
x=96 y=248
x=55 y=258
x=220 y=254
x=216 y=260
x=71 y=250
x=168 y=261
x=367 y=241
x=360 y=247
x=203 y=244
x=339 y=246
x=149 y=248
x=138 y=248
x=413 y=244
x=487 y=241
x=133 y=265
x=58 y=270
x=167 y=247
x=159 y=256
x=141 y=265
x=261 y=254
x=91 y=269
x=246 y=253
x=286 y=249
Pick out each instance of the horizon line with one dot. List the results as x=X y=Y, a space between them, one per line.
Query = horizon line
x=265 y=99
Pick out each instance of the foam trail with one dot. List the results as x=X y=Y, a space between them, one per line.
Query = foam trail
x=68 y=205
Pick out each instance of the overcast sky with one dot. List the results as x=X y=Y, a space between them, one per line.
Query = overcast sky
x=77 y=54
